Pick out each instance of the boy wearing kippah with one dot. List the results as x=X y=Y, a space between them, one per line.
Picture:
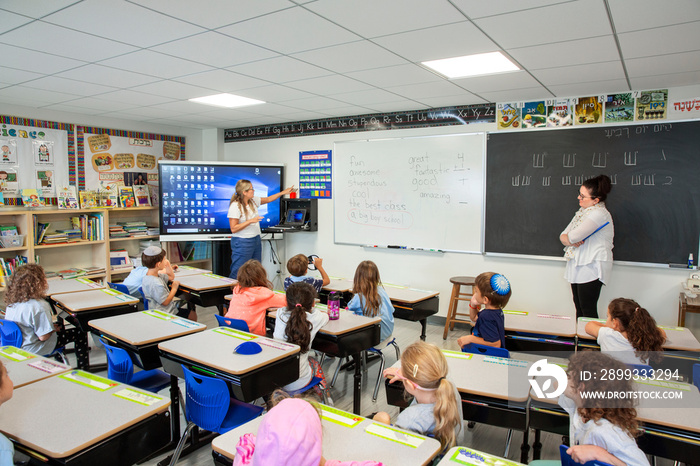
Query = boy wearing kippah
x=155 y=284
x=492 y=290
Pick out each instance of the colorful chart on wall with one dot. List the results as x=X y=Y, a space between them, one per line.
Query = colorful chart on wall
x=112 y=158
x=315 y=178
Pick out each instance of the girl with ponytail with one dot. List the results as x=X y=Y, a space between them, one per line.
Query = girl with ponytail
x=298 y=323
x=437 y=408
x=629 y=334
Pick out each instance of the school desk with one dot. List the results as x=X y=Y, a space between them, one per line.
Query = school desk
x=410 y=304
x=206 y=290
x=348 y=437
x=494 y=391
x=25 y=367
x=186 y=270
x=72 y=285
x=78 y=418
x=83 y=306
x=460 y=456
x=529 y=331
x=139 y=333
x=347 y=336
x=681 y=349
x=671 y=426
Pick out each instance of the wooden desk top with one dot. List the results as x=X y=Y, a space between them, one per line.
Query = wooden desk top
x=339 y=284
x=346 y=438
x=464 y=455
x=215 y=348
x=396 y=292
x=487 y=376
x=204 y=282
x=94 y=299
x=62 y=415
x=72 y=285
x=539 y=322
x=347 y=322
x=142 y=328
x=186 y=270
x=677 y=338
x=25 y=367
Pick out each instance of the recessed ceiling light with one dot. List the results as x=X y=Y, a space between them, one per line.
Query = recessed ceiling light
x=226 y=100
x=472 y=65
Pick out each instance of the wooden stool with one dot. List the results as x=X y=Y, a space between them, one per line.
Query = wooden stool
x=686 y=304
x=457 y=296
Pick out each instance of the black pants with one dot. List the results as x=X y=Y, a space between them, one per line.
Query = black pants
x=586 y=298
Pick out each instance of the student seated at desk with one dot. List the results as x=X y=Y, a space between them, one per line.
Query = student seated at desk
x=290 y=434
x=155 y=284
x=629 y=334
x=7 y=449
x=298 y=323
x=27 y=307
x=135 y=279
x=491 y=290
x=298 y=266
x=371 y=298
x=252 y=296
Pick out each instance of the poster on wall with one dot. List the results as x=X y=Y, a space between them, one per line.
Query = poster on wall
x=652 y=105
x=507 y=115
x=117 y=158
x=315 y=179
x=589 y=110
x=8 y=151
x=619 y=108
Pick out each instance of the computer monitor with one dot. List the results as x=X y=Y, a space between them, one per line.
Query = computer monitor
x=295 y=217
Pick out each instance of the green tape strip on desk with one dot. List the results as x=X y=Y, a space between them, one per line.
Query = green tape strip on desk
x=394 y=435
x=88 y=282
x=159 y=314
x=456 y=354
x=477 y=458
x=339 y=417
x=145 y=399
x=219 y=277
x=506 y=362
x=89 y=380
x=15 y=354
x=590 y=319
x=516 y=313
x=230 y=332
x=116 y=294
x=679 y=329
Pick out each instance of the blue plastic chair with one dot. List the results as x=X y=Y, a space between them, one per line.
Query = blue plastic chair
x=566 y=459
x=486 y=350
x=119 y=287
x=143 y=298
x=696 y=375
x=11 y=335
x=210 y=407
x=643 y=370
x=238 y=324
x=120 y=368
x=312 y=383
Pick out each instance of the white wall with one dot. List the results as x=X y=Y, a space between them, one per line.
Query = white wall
x=538 y=284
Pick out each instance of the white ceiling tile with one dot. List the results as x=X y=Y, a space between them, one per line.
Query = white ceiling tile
x=398 y=106
x=173 y=89
x=151 y=112
x=134 y=98
x=366 y=98
x=123 y=22
x=68 y=86
x=214 y=49
x=356 y=56
x=571 y=53
x=658 y=41
x=35 y=9
x=517 y=95
x=395 y=75
x=494 y=82
x=633 y=15
x=590 y=88
x=35 y=95
x=314 y=103
x=370 y=18
x=102 y=105
x=13 y=76
x=481 y=9
x=155 y=64
x=328 y=85
x=347 y=111
x=107 y=76
x=29 y=60
x=214 y=13
x=556 y=23
x=9 y=21
x=652 y=66
x=280 y=70
x=427 y=90
x=271 y=110
x=438 y=42
x=664 y=81
x=129 y=116
x=288 y=37
x=581 y=73
x=274 y=93
x=452 y=101
x=64 y=42
x=183 y=106
x=67 y=107
x=221 y=80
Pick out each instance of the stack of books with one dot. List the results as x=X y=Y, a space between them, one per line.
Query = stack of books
x=73 y=272
x=93 y=270
x=117 y=231
x=54 y=237
x=72 y=234
x=135 y=228
x=90 y=226
x=153 y=231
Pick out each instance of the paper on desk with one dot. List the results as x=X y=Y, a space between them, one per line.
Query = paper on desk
x=230 y=332
x=456 y=354
x=477 y=458
x=15 y=354
x=340 y=417
x=504 y=361
x=47 y=366
x=398 y=436
x=89 y=380
x=88 y=282
x=137 y=397
x=219 y=277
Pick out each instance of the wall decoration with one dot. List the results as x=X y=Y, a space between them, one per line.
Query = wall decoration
x=589 y=110
x=315 y=179
x=619 y=107
x=8 y=151
x=652 y=105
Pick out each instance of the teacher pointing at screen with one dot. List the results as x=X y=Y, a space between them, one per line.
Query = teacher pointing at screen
x=589 y=242
x=245 y=223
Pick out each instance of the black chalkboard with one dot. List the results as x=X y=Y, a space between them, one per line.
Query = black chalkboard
x=533 y=178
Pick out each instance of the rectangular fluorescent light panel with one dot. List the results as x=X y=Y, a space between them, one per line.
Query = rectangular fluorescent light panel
x=226 y=100
x=472 y=65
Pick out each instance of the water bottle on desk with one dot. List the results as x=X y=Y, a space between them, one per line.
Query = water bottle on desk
x=334 y=305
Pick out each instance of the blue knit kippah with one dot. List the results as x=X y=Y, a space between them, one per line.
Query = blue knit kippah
x=500 y=284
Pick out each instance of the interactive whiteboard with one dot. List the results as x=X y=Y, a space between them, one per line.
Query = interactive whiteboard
x=420 y=193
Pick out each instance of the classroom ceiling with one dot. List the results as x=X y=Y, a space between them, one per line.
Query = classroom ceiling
x=142 y=59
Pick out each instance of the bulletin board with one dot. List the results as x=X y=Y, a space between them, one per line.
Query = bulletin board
x=35 y=154
x=108 y=157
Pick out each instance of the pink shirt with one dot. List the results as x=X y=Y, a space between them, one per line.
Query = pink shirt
x=251 y=304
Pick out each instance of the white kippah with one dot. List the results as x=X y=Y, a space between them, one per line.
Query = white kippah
x=152 y=251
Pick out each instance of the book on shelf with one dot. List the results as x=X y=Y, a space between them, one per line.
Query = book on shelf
x=90 y=226
x=8 y=230
x=108 y=198
x=119 y=259
x=72 y=272
x=88 y=200
x=40 y=230
x=8 y=267
x=67 y=197
x=32 y=198
x=2 y=199
x=126 y=196
x=143 y=199
x=93 y=270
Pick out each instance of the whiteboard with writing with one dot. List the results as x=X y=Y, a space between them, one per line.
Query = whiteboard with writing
x=420 y=193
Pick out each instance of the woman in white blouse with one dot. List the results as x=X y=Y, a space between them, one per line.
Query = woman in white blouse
x=589 y=242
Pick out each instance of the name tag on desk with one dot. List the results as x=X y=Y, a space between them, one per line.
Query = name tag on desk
x=394 y=435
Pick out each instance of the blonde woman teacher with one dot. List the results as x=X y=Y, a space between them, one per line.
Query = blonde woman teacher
x=245 y=223
x=589 y=243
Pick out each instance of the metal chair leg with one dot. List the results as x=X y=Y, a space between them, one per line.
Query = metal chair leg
x=508 y=437
x=398 y=351
x=181 y=443
x=337 y=370
x=379 y=376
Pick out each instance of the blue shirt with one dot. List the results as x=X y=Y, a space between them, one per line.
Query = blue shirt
x=7 y=451
x=317 y=283
x=135 y=279
x=490 y=326
x=386 y=311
